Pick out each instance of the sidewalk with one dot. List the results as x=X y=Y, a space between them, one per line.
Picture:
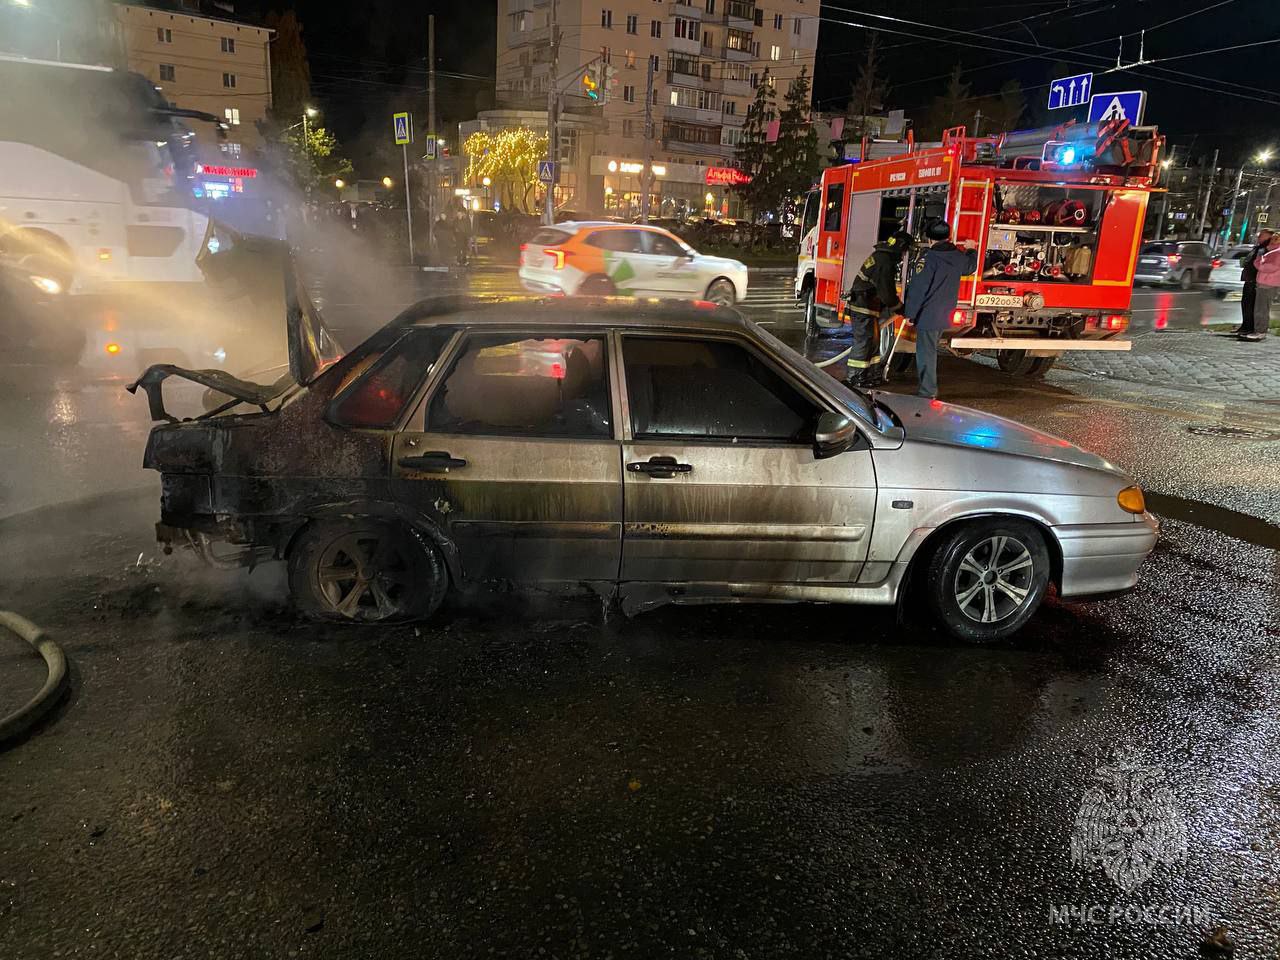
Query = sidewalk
x=1195 y=360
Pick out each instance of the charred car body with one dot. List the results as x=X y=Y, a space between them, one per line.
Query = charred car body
x=657 y=452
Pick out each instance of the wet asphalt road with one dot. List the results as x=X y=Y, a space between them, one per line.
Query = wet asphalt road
x=525 y=777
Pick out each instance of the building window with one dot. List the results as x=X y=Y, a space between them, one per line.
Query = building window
x=604 y=54
x=228 y=44
x=731 y=136
x=711 y=6
x=755 y=49
x=653 y=99
x=519 y=22
x=759 y=17
x=164 y=35
x=773 y=82
x=775 y=52
x=230 y=149
x=694 y=99
x=706 y=71
x=631 y=59
x=730 y=108
x=777 y=21
x=628 y=128
x=232 y=115
x=655 y=63
x=707 y=40
x=795 y=26
x=632 y=22
x=167 y=73
x=606 y=19
x=687 y=29
x=755 y=80
x=737 y=72
x=795 y=55
x=738 y=40
x=229 y=80
x=628 y=94
x=655 y=28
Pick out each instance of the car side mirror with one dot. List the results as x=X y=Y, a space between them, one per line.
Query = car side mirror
x=833 y=435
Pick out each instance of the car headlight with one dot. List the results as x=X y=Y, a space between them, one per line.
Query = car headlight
x=48 y=285
x=1131 y=500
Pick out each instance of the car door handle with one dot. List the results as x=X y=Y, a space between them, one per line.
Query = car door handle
x=660 y=468
x=433 y=461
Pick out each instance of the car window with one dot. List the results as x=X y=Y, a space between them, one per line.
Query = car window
x=549 y=235
x=834 y=209
x=386 y=382
x=620 y=241
x=506 y=385
x=710 y=390
x=1195 y=249
x=1159 y=247
x=661 y=245
x=1241 y=255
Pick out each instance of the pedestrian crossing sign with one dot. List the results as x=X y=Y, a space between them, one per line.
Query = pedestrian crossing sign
x=402 y=124
x=1122 y=105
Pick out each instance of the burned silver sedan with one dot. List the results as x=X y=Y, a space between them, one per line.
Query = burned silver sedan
x=654 y=452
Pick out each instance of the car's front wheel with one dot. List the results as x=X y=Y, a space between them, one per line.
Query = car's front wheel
x=721 y=292
x=597 y=286
x=365 y=571
x=987 y=578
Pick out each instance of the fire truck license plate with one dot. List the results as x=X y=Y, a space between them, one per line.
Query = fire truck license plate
x=998 y=300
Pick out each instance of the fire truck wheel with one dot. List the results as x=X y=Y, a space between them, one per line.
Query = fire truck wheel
x=810 y=313
x=1040 y=367
x=1018 y=363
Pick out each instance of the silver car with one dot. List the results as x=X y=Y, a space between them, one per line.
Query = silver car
x=1183 y=263
x=654 y=452
x=1227 y=276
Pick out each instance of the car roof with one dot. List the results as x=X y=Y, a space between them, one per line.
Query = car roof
x=592 y=224
x=573 y=312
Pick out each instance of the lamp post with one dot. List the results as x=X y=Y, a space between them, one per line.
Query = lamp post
x=1261 y=159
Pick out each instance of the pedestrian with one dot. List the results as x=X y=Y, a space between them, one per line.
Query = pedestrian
x=1267 y=266
x=1249 y=274
x=932 y=291
x=873 y=297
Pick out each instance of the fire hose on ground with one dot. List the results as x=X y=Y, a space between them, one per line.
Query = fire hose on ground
x=29 y=714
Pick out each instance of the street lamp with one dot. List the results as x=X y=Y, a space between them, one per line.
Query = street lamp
x=1261 y=159
x=339 y=183
x=486 y=181
x=386 y=182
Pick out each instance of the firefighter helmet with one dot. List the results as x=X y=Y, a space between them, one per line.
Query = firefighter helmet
x=900 y=241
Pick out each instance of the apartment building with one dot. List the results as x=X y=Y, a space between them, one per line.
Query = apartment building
x=707 y=58
x=204 y=61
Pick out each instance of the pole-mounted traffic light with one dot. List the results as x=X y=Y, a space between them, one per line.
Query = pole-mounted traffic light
x=591 y=84
x=610 y=79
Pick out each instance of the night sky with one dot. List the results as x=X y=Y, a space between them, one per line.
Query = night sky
x=369 y=59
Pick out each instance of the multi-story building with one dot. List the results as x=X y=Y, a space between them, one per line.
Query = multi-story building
x=706 y=57
x=203 y=61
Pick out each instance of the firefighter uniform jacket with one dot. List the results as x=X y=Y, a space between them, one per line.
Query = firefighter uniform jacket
x=875 y=287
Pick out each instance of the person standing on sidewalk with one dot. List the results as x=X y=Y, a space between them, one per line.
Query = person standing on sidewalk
x=1249 y=274
x=931 y=297
x=1267 y=266
x=872 y=299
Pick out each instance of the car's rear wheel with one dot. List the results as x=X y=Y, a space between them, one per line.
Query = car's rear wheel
x=366 y=572
x=1186 y=280
x=722 y=293
x=597 y=286
x=987 y=578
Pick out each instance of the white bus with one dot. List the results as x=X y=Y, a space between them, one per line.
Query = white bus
x=93 y=178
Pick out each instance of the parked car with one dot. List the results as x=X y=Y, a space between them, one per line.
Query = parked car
x=1227 y=270
x=599 y=258
x=1180 y=262
x=651 y=452
x=36 y=324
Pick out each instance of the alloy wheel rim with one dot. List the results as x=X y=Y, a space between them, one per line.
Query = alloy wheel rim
x=721 y=295
x=994 y=579
x=364 y=576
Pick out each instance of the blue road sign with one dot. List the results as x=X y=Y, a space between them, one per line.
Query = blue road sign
x=403 y=128
x=547 y=171
x=1070 y=91
x=1125 y=105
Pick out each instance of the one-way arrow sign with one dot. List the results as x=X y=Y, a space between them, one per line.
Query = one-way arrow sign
x=1070 y=91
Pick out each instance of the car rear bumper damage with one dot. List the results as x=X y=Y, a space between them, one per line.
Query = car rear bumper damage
x=1100 y=558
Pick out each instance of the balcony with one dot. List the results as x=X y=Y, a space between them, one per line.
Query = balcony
x=691 y=115
x=740 y=13
x=737 y=88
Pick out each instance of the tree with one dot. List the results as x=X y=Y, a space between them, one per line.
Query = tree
x=509 y=159
x=752 y=154
x=795 y=158
x=313 y=162
x=867 y=94
x=290 y=71
x=1003 y=111
x=951 y=108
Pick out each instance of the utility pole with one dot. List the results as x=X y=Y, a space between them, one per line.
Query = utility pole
x=1235 y=195
x=646 y=175
x=977 y=121
x=1208 y=195
x=553 y=118
x=431 y=132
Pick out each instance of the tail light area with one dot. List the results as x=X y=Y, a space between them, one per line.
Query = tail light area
x=959 y=318
x=1216 y=263
x=557 y=255
x=1173 y=259
x=1111 y=322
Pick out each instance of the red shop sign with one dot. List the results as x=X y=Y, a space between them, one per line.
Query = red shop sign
x=726 y=176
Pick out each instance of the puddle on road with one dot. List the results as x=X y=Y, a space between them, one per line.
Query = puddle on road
x=1233 y=523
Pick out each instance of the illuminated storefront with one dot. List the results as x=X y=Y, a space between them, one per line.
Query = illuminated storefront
x=679 y=190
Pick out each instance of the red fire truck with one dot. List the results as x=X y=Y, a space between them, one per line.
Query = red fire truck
x=1056 y=214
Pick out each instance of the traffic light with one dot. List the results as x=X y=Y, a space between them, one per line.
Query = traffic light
x=591 y=83
x=610 y=80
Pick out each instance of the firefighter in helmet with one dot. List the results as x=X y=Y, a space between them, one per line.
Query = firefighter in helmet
x=873 y=297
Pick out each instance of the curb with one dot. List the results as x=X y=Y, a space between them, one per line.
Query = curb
x=25 y=717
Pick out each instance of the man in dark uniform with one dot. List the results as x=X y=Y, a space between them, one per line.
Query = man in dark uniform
x=932 y=290
x=1249 y=294
x=873 y=297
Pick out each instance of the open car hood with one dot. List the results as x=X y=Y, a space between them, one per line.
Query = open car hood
x=258 y=274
